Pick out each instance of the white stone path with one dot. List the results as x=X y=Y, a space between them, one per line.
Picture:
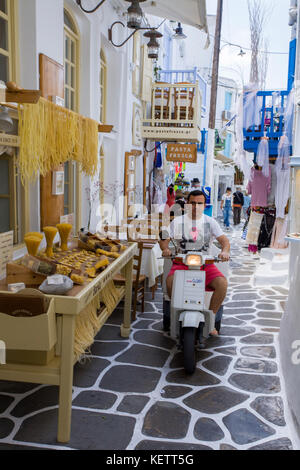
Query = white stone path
x=134 y=394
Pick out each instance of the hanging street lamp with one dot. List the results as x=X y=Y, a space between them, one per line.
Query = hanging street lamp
x=179 y=34
x=153 y=44
x=134 y=14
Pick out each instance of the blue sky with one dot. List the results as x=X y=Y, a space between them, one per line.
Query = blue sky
x=235 y=29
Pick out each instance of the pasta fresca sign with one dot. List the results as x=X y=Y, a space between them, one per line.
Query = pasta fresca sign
x=2 y=352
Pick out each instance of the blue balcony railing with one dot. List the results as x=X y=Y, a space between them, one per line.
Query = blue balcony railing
x=271 y=122
x=191 y=76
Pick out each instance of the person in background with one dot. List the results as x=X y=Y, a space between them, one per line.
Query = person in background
x=226 y=206
x=246 y=205
x=179 y=196
x=238 y=202
x=195 y=184
x=170 y=199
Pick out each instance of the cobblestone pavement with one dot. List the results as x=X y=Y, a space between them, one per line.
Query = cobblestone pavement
x=134 y=394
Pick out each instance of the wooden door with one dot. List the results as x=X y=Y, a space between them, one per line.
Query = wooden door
x=51 y=84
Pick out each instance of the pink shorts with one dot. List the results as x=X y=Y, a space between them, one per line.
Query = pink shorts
x=211 y=272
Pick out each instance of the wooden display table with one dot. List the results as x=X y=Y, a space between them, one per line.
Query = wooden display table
x=59 y=371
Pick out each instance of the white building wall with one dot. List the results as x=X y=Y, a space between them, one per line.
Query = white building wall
x=41 y=30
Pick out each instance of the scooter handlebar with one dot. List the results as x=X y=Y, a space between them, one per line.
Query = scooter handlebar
x=212 y=260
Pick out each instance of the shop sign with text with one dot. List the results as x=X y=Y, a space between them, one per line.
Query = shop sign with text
x=182 y=153
x=9 y=140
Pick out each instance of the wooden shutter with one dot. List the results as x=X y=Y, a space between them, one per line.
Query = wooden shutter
x=136 y=59
x=147 y=75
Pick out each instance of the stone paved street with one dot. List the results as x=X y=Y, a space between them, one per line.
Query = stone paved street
x=133 y=394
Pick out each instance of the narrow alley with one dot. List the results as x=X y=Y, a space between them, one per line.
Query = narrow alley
x=134 y=394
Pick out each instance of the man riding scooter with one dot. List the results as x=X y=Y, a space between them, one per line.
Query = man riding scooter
x=195 y=230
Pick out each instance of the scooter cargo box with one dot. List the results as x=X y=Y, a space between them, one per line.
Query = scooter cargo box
x=189 y=290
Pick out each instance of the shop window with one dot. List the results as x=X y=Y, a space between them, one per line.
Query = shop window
x=103 y=84
x=71 y=62
x=7 y=41
x=11 y=196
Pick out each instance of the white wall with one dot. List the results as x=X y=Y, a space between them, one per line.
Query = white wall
x=41 y=30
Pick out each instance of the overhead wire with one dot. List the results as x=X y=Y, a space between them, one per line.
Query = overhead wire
x=249 y=49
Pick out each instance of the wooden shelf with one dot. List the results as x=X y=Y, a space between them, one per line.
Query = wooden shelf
x=23 y=96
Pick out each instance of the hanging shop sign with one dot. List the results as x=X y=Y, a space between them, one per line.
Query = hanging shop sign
x=182 y=153
x=9 y=140
x=6 y=250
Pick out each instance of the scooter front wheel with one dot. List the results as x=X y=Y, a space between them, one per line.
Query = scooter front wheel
x=189 y=349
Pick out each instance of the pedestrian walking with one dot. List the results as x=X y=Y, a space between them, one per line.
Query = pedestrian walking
x=226 y=206
x=246 y=205
x=238 y=202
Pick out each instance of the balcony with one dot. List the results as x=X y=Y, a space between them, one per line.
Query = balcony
x=174 y=113
x=272 y=123
x=191 y=76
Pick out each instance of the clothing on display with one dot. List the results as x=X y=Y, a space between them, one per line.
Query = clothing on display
x=158 y=157
x=283 y=176
x=240 y=157
x=271 y=196
x=252 y=106
x=254 y=225
x=289 y=115
x=262 y=158
x=280 y=231
x=266 y=229
x=259 y=187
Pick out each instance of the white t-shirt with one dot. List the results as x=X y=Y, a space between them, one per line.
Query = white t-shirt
x=200 y=232
x=227 y=197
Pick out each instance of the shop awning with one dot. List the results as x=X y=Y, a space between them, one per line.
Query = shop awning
x=190 y=12
x=222 y=158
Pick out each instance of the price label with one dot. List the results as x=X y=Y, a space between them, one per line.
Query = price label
x=55 y=280
x=6 y=250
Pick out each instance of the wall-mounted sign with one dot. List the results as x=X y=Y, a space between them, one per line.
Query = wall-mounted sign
x=58 y=100
x=9 y=140
x=58 y=183
x=6 y=250
x=182 y=153
x=2 y=94
x=136 y=125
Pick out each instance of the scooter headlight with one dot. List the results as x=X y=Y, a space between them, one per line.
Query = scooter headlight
x=194 y=260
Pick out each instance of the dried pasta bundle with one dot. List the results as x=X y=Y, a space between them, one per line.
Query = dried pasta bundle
x=87 y=326
x=32 y=244
x=109 y=296
x=64 y=232
x=51 y=135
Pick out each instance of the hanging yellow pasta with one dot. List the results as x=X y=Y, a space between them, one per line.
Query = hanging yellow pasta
x=50 y=135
